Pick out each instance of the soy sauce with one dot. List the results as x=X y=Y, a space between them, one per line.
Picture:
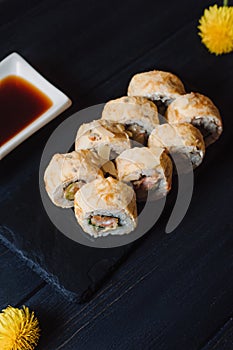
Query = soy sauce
x=20 y=104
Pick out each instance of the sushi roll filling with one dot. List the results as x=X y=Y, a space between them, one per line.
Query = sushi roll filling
x=207 y=129
x=102 y=222
x=147 y=183
x=137 y=133
x=71 y=189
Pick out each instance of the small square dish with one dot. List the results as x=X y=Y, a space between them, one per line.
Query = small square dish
x=27 y=102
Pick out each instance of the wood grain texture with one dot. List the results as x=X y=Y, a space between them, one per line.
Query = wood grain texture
x=164 y=298
x=54 y=36
x=17 y=282
x=174 y=291
x=223 y=339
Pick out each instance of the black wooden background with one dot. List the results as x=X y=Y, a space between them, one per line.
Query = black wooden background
x=165 y=291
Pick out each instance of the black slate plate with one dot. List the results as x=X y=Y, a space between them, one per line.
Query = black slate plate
x=95 y=79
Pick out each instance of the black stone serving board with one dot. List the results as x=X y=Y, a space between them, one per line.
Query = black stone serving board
x=64 y=54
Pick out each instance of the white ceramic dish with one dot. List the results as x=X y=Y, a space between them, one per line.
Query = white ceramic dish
x=14 y=64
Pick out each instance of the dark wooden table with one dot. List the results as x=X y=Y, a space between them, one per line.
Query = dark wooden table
x=169 y=291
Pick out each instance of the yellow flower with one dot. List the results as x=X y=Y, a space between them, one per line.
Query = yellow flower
x=19 y=329
x=216 y=29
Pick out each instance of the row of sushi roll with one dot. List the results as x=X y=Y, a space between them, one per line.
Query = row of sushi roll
x=127 y=154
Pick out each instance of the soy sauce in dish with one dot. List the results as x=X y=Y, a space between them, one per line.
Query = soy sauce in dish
x=20 y=104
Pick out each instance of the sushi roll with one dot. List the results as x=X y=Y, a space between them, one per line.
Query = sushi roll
x=181 y=139
x=67 y=173
x=106 y=207
x=103 y=136
x=198 y=110
x=147 y=170
x=156 y=85
x=138 y=114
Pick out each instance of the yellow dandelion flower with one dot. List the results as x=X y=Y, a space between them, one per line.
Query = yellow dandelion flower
x=216 y=29
x=19 y=329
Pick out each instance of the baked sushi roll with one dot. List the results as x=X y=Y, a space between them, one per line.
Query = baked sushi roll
x=103 y=135
x=156 y=85
x=67 y=173
x=106 y=206
x=182 y=139
x=138 y=114
x=198 y=110
x=149 y=170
